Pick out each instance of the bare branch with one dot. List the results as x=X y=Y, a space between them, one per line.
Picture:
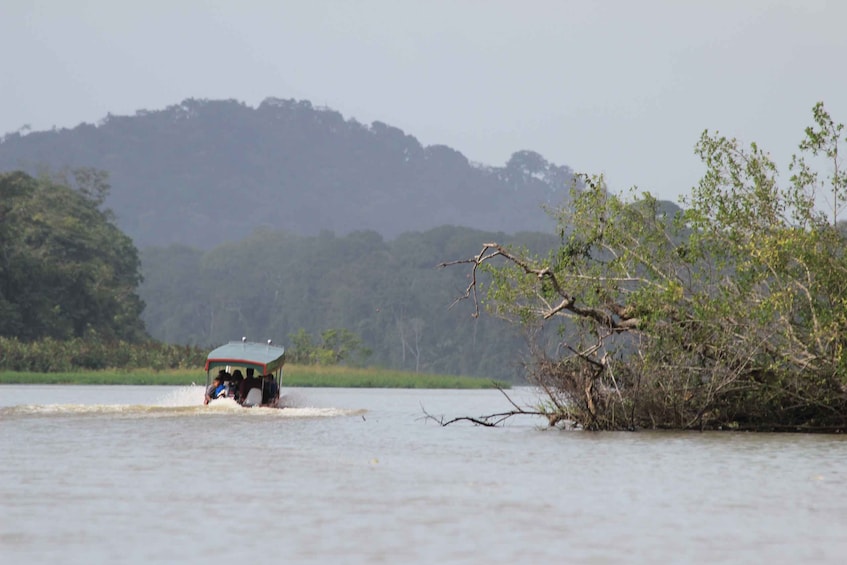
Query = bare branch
x=567 y=303
x=493 y=420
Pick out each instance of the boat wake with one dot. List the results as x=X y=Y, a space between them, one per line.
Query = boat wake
x=184 y=401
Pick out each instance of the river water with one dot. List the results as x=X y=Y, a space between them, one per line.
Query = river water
x=148 y=475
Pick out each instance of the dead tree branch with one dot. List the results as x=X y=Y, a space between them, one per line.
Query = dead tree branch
x=617 y=317
x=493 y=420
x=489 y=420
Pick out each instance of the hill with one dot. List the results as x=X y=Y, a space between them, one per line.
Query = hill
x=206 y=172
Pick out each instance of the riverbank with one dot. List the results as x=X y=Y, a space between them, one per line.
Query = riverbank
x=293 y=376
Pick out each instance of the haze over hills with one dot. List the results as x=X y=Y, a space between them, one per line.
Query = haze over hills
x=205 y=172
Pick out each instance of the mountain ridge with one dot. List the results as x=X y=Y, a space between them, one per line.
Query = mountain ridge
x=205 y=172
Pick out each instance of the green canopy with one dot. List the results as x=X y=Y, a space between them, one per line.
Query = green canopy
x=262 y=357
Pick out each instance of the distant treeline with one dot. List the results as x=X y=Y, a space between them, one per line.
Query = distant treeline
x=361 y=298
x=70 y=294
x=52 y=356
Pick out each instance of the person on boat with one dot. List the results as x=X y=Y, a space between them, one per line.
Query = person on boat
x=237 y=379
x=235 y=382
x=214 y=389
x=270 y=390
x=250 y=381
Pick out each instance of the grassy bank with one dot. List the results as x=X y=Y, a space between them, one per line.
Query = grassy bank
x=317 y=376
x=106 y=377
x=294 y=376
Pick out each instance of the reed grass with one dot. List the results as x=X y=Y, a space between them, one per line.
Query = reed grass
x=293 y=376
x=348 y=377
x=107 y=377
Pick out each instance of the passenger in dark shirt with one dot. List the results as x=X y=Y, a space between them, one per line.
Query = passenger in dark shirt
x=270 y=390
x=237 y=379
x=249 y=382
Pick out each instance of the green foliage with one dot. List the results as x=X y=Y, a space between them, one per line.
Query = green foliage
x=335 y=346
x=729 y=313
x=66 y=271
x=351 y=377
x=167 y=377
x=358 y=293
x=50 y=355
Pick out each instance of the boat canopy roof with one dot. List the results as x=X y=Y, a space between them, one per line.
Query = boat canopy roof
x=264 y=358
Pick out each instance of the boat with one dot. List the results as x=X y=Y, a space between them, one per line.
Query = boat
x=247 y=373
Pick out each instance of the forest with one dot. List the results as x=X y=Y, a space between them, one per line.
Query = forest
x=66 y=270
x=67 y=274
x=388 y=293
x=282 y=221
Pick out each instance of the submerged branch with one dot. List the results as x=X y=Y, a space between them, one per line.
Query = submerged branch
x=494 y=420
x=490 y=420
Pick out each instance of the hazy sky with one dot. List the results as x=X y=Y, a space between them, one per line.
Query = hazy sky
x=619 y=87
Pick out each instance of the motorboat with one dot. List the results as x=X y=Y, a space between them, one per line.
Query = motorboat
x=247 y=373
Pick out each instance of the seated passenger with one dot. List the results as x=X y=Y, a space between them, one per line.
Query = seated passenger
x=270 y=390
x=235 y=387
x=214 y=389
x=249 y=382
x=234 y=382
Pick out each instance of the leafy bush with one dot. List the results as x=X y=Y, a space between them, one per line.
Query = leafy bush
x=51 y=356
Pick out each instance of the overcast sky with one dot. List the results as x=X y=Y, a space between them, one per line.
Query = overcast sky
x=619 y=87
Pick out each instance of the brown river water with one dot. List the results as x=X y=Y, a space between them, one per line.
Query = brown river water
x=128 y=474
